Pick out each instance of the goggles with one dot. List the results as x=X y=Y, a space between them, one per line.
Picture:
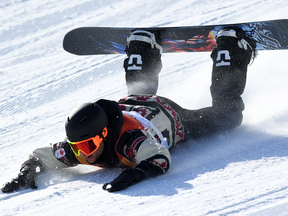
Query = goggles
x=88 y=146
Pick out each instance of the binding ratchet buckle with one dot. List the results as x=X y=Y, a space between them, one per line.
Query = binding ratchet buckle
x=144 y=36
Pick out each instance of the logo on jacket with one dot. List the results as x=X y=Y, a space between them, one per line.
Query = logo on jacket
x=60 y=153
x=160 y=162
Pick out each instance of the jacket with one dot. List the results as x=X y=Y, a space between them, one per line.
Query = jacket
x=127 y=143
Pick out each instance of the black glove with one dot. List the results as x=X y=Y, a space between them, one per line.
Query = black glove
x=127 y=178
x=25 y=177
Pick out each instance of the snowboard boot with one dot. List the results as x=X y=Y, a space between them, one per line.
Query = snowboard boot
x=143 y=64
x=230 y=61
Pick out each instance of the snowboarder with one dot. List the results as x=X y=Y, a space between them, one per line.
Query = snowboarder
x=137 y=131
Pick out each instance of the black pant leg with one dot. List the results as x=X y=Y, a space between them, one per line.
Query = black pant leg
x=228 y=83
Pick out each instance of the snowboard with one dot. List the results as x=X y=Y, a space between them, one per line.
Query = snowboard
x=269 y=35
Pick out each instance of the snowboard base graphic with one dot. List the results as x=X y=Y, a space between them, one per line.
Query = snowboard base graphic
x=269 y=35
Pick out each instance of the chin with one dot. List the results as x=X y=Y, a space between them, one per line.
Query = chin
x=90 y=159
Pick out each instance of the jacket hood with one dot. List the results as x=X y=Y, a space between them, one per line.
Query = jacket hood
x=116 y=120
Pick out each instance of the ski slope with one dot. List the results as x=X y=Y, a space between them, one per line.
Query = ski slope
x=242 y=172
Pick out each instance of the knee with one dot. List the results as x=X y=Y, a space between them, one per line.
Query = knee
x=231 y=120
x=230 y=114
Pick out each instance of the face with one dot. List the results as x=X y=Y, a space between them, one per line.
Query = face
x=95 y=155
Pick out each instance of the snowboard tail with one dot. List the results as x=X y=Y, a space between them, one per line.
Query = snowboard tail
x=269 y=35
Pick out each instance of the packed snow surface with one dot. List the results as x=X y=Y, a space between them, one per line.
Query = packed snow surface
x=241 y=172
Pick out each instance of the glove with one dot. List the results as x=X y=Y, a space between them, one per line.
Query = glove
x=25 y=177
x=127 y=178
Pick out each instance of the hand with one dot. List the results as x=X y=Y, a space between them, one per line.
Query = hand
x=25 y=177
x=127 y=178
x=20 y=181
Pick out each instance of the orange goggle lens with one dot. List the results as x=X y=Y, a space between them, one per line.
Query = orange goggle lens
x=88 y=146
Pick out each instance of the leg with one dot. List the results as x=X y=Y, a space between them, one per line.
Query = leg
x=230 y=61
x=143 y=64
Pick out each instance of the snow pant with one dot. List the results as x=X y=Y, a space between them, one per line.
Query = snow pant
x=228 y=83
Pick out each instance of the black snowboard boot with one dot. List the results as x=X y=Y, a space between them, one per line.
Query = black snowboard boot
x=143 y=64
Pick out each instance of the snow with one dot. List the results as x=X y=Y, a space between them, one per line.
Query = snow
x=242 y=172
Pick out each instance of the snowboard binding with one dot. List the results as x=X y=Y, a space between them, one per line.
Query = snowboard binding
x=144 y=36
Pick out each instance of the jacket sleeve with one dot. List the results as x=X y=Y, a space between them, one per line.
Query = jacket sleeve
x=157 y=155
x=138 y=148
x=152 y=159
x=55 y=156
x=49 y=157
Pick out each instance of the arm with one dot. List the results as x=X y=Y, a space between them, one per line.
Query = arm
x=41 y=159
x=152 y=159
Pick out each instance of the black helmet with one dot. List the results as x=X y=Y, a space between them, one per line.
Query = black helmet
x=85 y=121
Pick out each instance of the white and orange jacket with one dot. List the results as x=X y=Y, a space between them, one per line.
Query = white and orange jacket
x=130 y=140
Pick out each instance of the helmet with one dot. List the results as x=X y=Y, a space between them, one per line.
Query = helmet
x=85 y=121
